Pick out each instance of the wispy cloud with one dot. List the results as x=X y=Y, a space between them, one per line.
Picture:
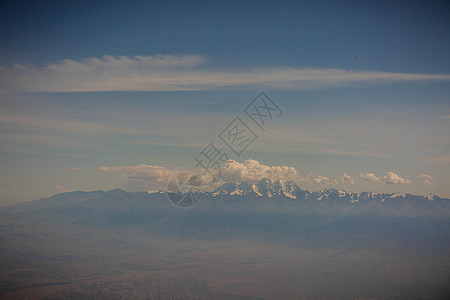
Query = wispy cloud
x=355 y=153
x=64 y=125
x=438 y=159
x=178 y=73
x=147 y=176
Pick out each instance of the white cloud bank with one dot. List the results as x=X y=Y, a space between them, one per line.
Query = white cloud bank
x=177 y=73
x=426 y=179
x=250 y=171
x=370 y=177
x=320 y=179
x=392 y=178
x=347 y=179
x=389 y=178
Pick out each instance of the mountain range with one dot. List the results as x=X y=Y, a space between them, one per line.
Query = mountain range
x=266 y=196
x=289 y=189
x=267 y=188
x=90 y=245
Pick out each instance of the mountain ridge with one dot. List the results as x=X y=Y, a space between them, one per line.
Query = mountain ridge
x=289 y=189
x=265 y=195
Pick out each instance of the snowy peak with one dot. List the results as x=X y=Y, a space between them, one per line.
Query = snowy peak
x=431 y=197
x=264 y=188
x=233 y=188
x=397 y=195
x=267 y=188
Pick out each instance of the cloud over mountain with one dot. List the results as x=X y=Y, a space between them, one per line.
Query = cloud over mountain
x=252 y=171
x=148 y=177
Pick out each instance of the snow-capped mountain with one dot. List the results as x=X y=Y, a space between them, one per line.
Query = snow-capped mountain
x=233 y=197
x=264 y=188
x=267 y=188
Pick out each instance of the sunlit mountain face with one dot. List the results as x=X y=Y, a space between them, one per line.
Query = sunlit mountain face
x=267 y=240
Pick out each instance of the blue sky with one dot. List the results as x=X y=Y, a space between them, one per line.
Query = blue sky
x=92 y=91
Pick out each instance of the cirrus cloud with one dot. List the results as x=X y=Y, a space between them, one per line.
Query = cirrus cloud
x=178 y=73
x=145 y=175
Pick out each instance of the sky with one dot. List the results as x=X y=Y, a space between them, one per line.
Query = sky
x=115 y=94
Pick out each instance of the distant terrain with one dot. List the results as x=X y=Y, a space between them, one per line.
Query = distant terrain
x=270 y=240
